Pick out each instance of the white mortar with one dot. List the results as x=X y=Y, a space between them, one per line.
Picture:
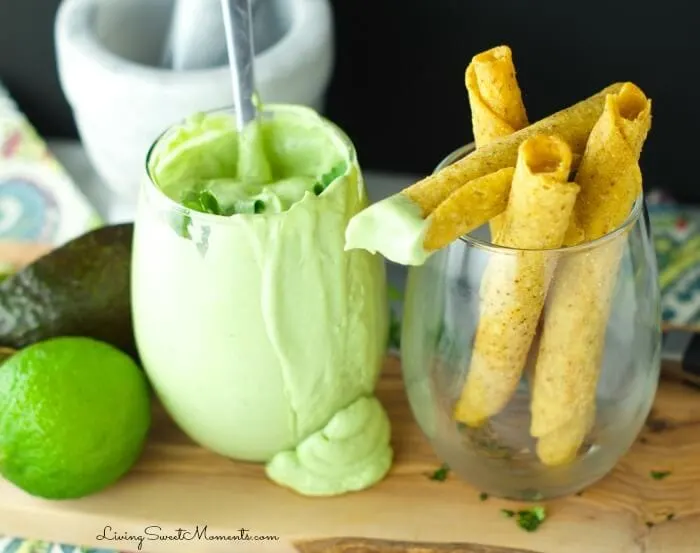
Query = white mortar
x=108 y=52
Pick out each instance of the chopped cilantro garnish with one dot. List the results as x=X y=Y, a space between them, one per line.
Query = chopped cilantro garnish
x=258 y=206
x=659 y=474
x=181 y=224
x=327 y=178
x=204 y=202
x=209 y=203
x=670 y=516
x=530 y=519
x=248 y=206
x=440 y=474
x=483 y=496
x=191 y=200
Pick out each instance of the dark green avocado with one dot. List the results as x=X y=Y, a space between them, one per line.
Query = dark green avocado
x=79 y=289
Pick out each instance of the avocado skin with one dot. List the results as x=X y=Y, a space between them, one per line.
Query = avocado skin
x=80 y=289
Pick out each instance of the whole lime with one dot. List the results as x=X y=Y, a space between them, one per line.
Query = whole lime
x=74 y=415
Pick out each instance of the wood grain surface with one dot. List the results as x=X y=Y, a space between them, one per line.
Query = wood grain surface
x=179 y=485
x=355 y=545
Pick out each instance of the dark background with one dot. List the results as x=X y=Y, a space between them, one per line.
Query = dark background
x=398 y=87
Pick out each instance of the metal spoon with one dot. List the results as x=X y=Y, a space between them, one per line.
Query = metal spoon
x=238 y=24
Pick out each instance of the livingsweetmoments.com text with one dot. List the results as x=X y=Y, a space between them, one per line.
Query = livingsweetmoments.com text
x=198 y=533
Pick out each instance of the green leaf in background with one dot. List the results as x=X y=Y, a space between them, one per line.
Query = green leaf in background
x=394 y=331
x=394 y=293
x=395 y=296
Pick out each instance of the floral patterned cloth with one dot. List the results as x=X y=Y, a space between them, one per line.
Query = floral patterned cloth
x=17 y=545
x=39 y=202
x=676 y=231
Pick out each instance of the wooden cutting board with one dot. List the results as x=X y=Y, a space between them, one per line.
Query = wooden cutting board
x=179 y=485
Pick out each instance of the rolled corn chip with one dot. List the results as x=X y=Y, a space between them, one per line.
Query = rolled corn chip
x=494 y=96
x=571 y=349
x=572 y=124
x=561 y=446
x=496 y=103
x=514 y=284
x=609 y=176
x=468 y=208
x=574 y=234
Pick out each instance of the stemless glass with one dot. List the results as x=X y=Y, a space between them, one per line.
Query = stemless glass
x=255 y=329
x=441 y=316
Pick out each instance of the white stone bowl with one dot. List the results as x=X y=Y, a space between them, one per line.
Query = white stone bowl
x=108 y=52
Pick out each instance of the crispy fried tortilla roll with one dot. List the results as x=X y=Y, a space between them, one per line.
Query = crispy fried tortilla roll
x=609 y=174
x=573 y=125
x=571 y=349
x=468 y=208
x=496 y=103
x=624 y=126
x=574 y=234
x=494 y=96
x=568 y=365
x=513 y=290
x=561 y=446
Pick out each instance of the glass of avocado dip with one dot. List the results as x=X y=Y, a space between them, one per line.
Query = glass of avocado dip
x=256 y=328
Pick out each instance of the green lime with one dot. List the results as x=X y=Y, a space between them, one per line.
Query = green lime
x=74 y=418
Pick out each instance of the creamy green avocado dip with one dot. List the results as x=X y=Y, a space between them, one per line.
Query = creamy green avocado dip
x=262 y=336
x=393 y=227
x=352 y=450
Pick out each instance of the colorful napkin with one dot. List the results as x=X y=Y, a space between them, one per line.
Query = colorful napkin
x=676 y=231
x=39 y=202
x=17 y=545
